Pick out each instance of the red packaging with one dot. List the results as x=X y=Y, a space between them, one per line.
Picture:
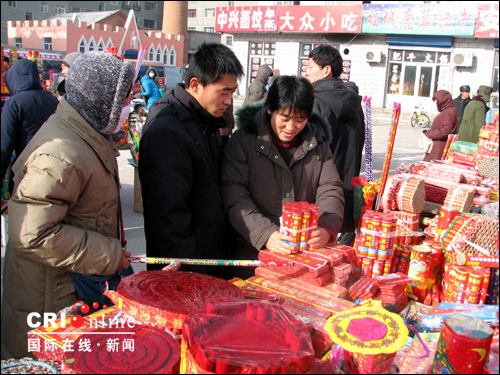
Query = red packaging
x=387 y=267
x=367 y=267
x=348 y=253
x=341 y=270
x=475 y=281
x=378 y=267
x=463 y=347
x=296 y=224
x=459 y=277
x=306 y=222
x=375 y=242
x=286 y=215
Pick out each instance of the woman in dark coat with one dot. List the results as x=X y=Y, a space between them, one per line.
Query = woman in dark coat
x=444 y=124
x=258 y=91
x=279 y=154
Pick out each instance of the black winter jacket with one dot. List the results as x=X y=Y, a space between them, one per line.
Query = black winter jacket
x=179 y=158
x=460 y=105
x=341 y=107
x=25 y=112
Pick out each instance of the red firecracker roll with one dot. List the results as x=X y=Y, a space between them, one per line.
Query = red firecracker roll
x=137 y=350
x=272 y=341
x=316 y=265
x=164 y=299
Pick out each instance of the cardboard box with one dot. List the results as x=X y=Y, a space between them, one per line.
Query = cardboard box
x=137 y=191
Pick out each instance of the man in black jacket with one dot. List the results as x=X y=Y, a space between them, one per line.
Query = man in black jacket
x=461 y=101
x=179 y=160
x=341 y=107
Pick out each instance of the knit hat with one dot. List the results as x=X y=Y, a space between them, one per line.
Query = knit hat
x=465 y=88
x=485 y=92
x=70 y=57
x=96 y=86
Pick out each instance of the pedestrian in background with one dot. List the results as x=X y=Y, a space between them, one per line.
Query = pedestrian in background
x=179 y=162
x=25 y=112
x=64 y=212
x=461 y=101
x=475 y=115
x=149 y=90
x=67 y=61
x=341 y=107
x=445 y=123
x=153 y=75
x=280 y=153
x=257 y=90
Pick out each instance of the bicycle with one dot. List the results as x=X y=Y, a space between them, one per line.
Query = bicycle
x=420 y=118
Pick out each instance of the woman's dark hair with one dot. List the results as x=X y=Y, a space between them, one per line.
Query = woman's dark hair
x=293 y=93
x=327 y=55
x=211 y=62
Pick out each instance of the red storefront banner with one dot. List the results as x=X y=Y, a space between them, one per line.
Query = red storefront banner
x=487 y=21
x=246 y=19
x=320 y=19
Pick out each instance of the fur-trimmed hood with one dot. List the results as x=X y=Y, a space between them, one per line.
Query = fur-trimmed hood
x=245 y=121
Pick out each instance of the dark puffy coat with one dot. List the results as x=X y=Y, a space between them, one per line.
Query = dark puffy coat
x=341 y=107
x=258 y=91
x=460 y=105
x=25 y=112
x=445 y=123
x=179 y=159
x=256 y=181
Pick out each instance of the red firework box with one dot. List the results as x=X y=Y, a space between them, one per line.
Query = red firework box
x=463 y=347
x=436 y=262
x=329 y=289
x=402 y=265
x=299 y=274
x=446 y=217
x=333 y=257
x=378 y=267
x=419 y=271
x=296 y=225
x=347 y=252
x=164 y=299
x=406 y=228
x=459 y=199
x=330 y=304
x=367 y=267
x=386 y=247
x=315 y=266
x=305 y=227
x=246 y=337
x=376 y=227
x=341 y=270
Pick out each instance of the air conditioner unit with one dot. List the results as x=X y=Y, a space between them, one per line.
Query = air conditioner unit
x=134 y=43
x=463 y=58
x=374 y=56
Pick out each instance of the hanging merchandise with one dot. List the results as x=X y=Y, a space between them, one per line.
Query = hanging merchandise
x=367 y=109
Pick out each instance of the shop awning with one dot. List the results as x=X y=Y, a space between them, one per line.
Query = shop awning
x=419 y=40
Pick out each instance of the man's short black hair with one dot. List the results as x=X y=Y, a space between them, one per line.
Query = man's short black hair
x=327 y=55
x=293 y=93
x=6 y=59
x=211 y=62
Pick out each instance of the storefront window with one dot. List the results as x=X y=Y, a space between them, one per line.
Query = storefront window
x=261 y=53
x=393 y=86
x=423 y=72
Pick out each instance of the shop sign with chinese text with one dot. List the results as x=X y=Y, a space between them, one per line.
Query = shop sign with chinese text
x=487 y=21
x=420 y=19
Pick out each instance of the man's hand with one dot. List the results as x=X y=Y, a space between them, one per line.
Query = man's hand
x=276 y=243
x=124 y=263
x=319 y=238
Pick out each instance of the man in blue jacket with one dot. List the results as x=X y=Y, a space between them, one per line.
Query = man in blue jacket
x=25 y=112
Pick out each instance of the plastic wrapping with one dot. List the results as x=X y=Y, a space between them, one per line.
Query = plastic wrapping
x=245 y=337
x=467 y=148
x=136 y=350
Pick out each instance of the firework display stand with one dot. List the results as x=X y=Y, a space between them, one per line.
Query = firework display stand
x=415 y=291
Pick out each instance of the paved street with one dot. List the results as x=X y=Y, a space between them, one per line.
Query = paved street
x=405 y=151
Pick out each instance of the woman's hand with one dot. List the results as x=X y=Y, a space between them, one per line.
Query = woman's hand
x=276 y=243
x=319 y=238
x=124 y=263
